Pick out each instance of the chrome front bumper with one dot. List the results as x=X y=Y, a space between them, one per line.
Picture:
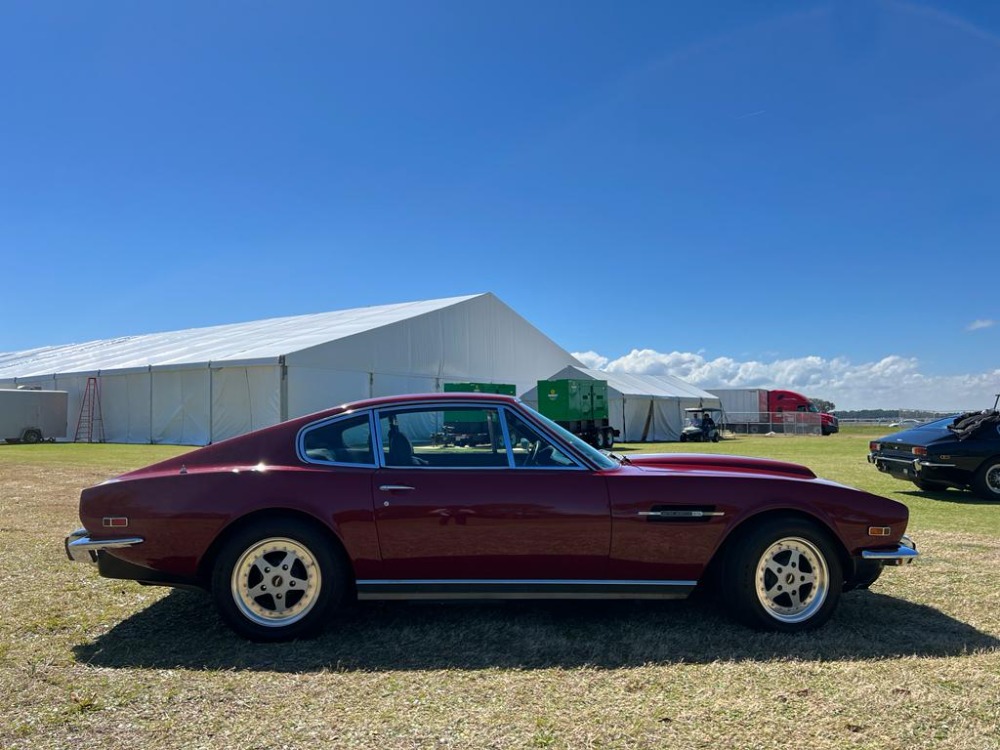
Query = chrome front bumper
x=905 y=553
x=81 y=548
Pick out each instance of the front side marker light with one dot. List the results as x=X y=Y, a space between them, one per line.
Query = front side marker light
x=879 y=530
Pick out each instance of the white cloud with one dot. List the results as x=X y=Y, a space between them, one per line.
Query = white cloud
x=892 y=382
x=977 y=325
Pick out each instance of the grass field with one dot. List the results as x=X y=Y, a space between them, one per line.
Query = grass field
x=912 y=663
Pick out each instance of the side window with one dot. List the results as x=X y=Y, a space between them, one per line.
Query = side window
x=344 y=441
x=441 y=437
x=531 y=450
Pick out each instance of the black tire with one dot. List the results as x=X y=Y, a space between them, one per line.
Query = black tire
x=986 y=482
x=277 y=580
x=715 y=437
x=32 y=436
x=609 y=439
x=684 y=438
x=760 y=570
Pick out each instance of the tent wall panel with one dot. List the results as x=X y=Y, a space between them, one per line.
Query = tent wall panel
x=181 y=400
x=244 y=399
x=311 y=389
x=125 y=400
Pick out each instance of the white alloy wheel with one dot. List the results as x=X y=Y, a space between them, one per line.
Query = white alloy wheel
x=792 y=580
x=276 y=582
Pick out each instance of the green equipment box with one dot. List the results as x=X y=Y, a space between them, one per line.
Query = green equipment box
x=573 y=400
x=453 y=417
x=502 y=388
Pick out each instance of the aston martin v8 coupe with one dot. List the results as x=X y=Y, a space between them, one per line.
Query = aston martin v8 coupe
x=376 y=500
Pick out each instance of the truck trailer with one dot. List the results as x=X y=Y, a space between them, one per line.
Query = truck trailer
x=758 y=410
x=580 y=406
x=30 y=416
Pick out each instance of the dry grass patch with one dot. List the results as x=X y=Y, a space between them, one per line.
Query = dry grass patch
x=914 y=663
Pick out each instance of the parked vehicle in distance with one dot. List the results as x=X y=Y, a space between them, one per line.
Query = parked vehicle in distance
x=906 y=423
x=960 y=451
x=31 y=416
x=284 y=524
x=702 y=425
x=752 y=410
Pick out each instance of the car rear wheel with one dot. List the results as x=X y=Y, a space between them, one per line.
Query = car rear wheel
x=31 y=437
x=783 y=575
x=986 y=483
x=277 y=580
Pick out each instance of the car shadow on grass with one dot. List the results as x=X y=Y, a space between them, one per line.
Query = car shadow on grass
x=181 y=631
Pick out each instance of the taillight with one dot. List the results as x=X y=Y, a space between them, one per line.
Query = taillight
x=874 y=446
x=919 y=450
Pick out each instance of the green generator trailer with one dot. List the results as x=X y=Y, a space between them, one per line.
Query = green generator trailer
x=467 y=427
x=580 y=406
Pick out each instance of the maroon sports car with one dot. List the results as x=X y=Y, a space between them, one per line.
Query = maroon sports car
x=446 y=496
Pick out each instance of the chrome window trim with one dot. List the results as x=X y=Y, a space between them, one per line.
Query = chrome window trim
x=300 y=449
x=458 y=405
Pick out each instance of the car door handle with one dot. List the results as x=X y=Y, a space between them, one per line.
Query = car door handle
x=395 y=487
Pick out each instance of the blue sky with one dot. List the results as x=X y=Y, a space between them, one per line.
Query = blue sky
x=798 y=194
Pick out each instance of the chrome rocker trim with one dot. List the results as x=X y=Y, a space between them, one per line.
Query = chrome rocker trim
x=905 y=553
x=522 y=589
x=81 y=548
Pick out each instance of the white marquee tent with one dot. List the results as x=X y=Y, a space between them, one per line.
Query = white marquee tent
x=642 y=407
x=203 y=385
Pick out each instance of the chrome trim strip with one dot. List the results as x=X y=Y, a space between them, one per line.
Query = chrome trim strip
x=680 y=513
x=521 y=589
x=395 y=487
x=81 y=548
x=934 y=465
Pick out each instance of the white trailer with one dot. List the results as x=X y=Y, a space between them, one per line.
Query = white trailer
x=743 y=405
x=28 y=416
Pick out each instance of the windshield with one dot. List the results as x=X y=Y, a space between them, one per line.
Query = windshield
x=601 y=460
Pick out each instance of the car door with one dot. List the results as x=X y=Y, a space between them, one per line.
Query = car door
x=455 y=500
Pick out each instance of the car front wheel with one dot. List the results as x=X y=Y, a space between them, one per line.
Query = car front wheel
x=277 y=580
x=783 y=575
x=986 y=483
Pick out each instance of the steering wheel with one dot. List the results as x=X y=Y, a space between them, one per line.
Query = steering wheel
x=541 y=455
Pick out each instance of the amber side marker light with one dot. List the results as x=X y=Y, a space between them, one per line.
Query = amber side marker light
x=879 y=530
x=919 y=450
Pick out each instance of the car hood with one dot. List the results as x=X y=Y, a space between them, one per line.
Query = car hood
x=712 y=462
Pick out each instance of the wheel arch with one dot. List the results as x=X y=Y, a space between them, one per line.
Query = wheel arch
x=208 y=559
x=714 y=568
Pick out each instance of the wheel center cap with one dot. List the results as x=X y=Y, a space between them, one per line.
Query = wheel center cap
x=790 y=579
x=276 y=581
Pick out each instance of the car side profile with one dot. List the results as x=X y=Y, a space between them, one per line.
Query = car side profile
x=384 y=499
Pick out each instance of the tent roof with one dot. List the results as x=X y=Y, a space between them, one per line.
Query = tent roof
x=257 y=341
x=627 y=384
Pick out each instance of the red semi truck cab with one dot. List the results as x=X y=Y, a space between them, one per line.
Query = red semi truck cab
x=782 y=401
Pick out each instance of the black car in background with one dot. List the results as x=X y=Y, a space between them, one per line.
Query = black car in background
x=961 y=451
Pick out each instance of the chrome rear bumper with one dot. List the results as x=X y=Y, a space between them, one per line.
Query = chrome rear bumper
x=81 y=548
